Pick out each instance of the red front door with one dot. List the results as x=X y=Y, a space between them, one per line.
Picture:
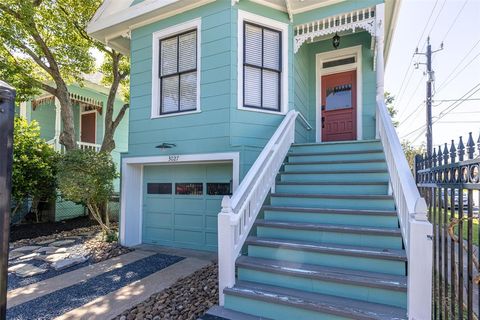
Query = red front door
x=339 y=106
x=88 y=127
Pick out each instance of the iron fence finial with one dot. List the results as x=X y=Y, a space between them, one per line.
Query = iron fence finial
x=461 y=149
x=470 y=146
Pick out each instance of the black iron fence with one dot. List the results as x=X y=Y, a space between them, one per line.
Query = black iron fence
x=449 y=181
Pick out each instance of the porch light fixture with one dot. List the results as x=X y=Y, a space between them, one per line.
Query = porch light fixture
x=165 y=145
x=336 y=41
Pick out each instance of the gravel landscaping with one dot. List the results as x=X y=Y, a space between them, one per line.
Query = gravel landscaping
x=61 y=301
x=34 y=260
x=188 y=299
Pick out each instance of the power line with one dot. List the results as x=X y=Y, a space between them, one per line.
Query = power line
x=450 y=100
x=413 y=55
x=440 y=87
x=436 y=18
x=417 y=109
x=452 y=106
x=411 y=97
x=454 y=20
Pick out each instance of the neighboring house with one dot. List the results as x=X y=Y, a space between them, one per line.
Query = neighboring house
x=219 y=91
x=89 y=103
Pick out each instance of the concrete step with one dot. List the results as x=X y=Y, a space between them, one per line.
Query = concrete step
x=221 y=313
x=367 y=155
x=282 y=303
x=334 y=201
x=389 y=261
x=335 y=176
x=328 y=233
x=335 y=166
x=337 y=146
x=373 y=188
x=351 y=217
x=360 y=285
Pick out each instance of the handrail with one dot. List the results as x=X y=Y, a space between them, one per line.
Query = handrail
x=412 y=214
x=241 y=209
x=304 y=121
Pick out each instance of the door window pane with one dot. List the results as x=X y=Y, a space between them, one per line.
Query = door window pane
x=189 y=188
x=159 y=188
x=339 y=97
x=218 y=189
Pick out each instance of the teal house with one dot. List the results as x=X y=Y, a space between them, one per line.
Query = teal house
x=258 y=130
x=89 y=102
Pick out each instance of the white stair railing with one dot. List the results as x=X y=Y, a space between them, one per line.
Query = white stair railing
x=412 y=213
x=240 y=211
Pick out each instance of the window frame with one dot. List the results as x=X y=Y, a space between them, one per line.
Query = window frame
x=262 y=68
x=285 y=47
x=162 y=35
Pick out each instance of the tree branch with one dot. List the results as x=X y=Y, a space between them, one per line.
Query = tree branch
x=120 y=115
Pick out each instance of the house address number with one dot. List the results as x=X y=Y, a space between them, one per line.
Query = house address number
x=173 y=158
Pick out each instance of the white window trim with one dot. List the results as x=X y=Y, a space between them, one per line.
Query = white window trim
x=355 y=51
x=244 y=16
x=131 y=198
x=156 y=37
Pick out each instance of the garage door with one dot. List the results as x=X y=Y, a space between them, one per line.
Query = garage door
x=181 y=204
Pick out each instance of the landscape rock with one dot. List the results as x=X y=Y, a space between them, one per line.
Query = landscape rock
x=45 y=242
x=25 y=249
x=28 y=270
x=69 y=262
x=51 y=250
x=180 y=302
x=15 y=255
x=29 y=256
x=54 y=257
x=62 y=243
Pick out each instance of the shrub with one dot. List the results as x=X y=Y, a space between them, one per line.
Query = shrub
x=86 y=177
x=34 y=166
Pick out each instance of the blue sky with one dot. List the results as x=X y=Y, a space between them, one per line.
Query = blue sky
x=457 y=68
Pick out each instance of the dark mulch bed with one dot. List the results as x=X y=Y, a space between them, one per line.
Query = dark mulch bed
x=34 y=230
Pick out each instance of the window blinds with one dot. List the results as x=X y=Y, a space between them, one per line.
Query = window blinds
x=262 y=67
x=178 y=73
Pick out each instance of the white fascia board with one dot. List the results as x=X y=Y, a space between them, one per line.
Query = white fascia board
x=126 y=14
x=390 y=27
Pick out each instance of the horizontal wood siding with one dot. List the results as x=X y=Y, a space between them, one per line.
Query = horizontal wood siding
x=204 y=132
x=301 y=94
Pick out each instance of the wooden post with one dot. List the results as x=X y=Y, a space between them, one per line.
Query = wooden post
x=226 y=258
x=7 y=105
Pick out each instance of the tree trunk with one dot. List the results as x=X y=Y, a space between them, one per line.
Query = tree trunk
x=108 y=144
x=67 y=137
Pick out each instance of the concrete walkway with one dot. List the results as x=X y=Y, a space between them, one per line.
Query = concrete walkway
x=114 y=303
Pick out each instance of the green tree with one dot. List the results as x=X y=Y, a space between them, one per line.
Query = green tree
x=86 y=177
x=44 y=46
x=410 y=152
x=389 y=100
x=34 y=166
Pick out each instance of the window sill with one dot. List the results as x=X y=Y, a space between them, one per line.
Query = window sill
x=175 y=114
x=281 y=113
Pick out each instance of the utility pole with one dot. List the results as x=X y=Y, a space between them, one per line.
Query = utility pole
x=430 y=78
x=7 y=103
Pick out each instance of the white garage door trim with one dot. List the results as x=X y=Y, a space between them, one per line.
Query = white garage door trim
x=131 y=199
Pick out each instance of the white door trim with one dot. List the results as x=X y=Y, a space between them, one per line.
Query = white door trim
x=80 y=129
x=131 y=198
x=320 y=58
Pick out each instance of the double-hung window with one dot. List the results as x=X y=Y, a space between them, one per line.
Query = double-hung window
x=178 y=73
x=262 y=67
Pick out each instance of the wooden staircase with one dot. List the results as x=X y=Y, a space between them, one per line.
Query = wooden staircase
x=327 y=244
